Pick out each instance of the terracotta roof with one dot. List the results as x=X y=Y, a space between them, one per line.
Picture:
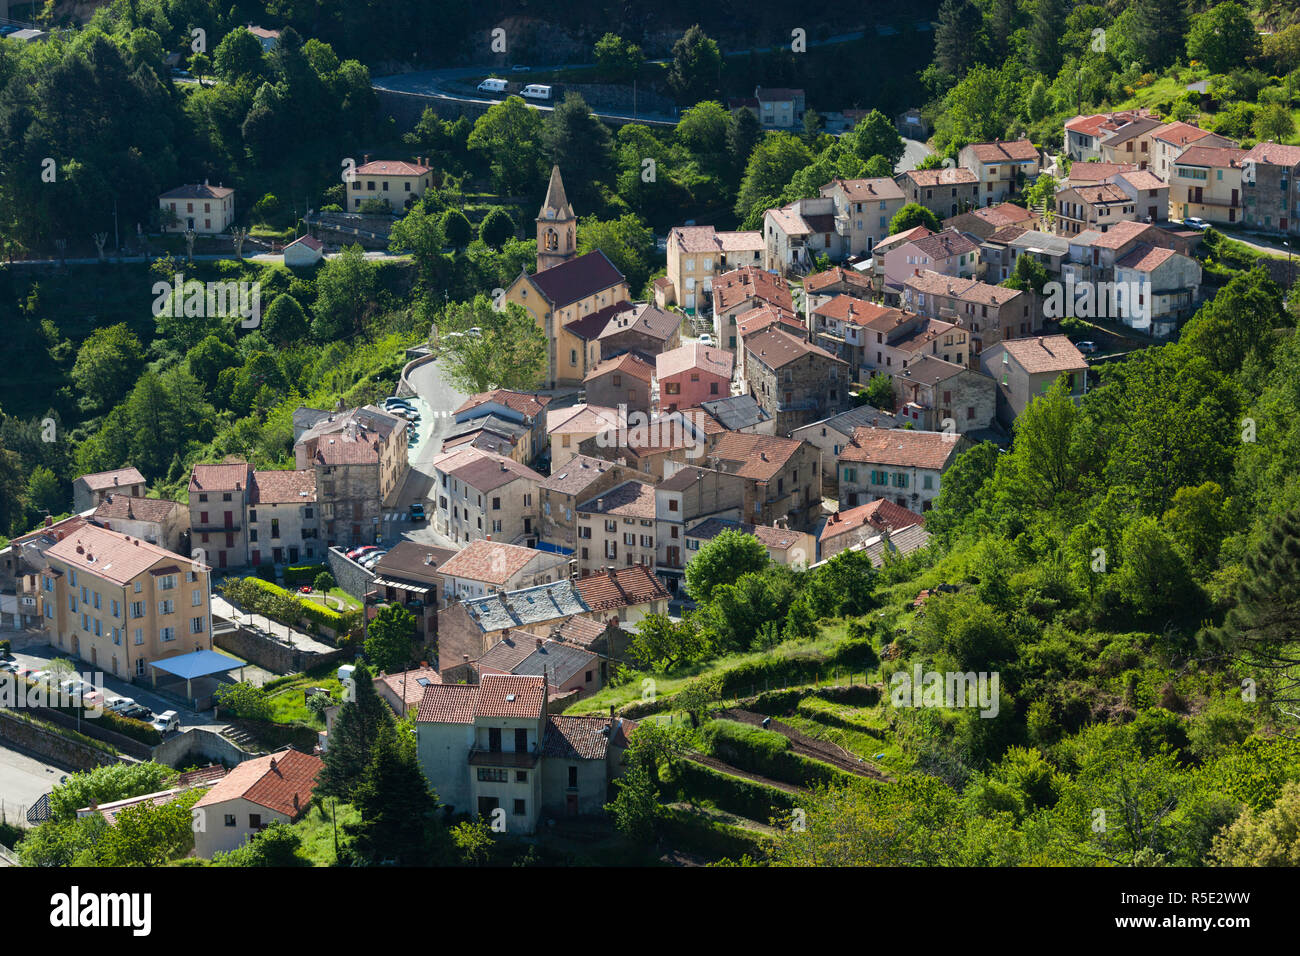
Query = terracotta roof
x=576 y=474
x=1210 y=156
x=1088 y=125
x=766 y=316
x=759 y=457
x=483 y=470
x=311 y=242
x=282 y=781
x=1143 y=257
x=409 y=686
x=907 y=235
x=577 y=279
x=582 y=420
x=1119 y=234
x=625 y=587
x=526 y=403
x=1179 y=134
x=928 y=178
x=699 y=239
x=582 y=631
x=881 y=513
x=392 y=167
x=506 y=695
x=733 y=288
x=448 y=704
x=631 y=499
x=867 y=190
x=775 y=94
x=492 y=562
x=1006 y=213
x=645 y=318
x=1096 y=172
x=409 y=559
x=114 y=557
x=776 y=349
x=102 y=480
x=902 y=447
x=1101 y=193
x=127 y=508
x=264 y=33
x=845 y=308
x=1006 y=235
x=929 y=370
x=338 y=449
x=1045 y=353
x=1275 y=154
x=1141 y=179
x=968 y=290
x=198 y=191
x=704 y=358
x=282 y=487
x=1001 y=151
x=833 y=276
x=202 y=777
x=943 y=245
x=576 y=738
x=628 y=362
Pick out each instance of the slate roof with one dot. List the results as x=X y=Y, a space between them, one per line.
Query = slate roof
x=779 y=539
x=535 y=605
x=526 y=403
x=576 y=474
x=127 y=508
x=645 y=318
x=556 y=661
x=576 y=738
x=737 y=412
x=102 y=480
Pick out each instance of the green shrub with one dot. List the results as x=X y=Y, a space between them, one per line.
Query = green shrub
x=692 y=832
x=5 y=647
x=746 y=798
x=767 y=753
x=296 y=577
x=266 y=571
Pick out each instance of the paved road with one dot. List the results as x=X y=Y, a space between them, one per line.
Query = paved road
x=24 y=779
x=913 y=152
x=268 y=258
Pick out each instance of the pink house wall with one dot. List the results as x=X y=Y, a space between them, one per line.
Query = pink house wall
x=692 y=393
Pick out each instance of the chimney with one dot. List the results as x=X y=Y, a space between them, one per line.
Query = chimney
x=49 y=520
x=465 y=658
x=273 y=763
x=295 y=803
x=539 y=643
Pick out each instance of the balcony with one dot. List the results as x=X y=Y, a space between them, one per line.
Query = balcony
x=479 y=757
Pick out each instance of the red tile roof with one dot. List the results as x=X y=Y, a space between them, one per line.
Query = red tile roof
x=482 y=470
x=283 y=487
x=492 y=562
x=106 y=554
x=628 y=362
x=777 y=348
x=506 y=695
x=631 y=499
x=448 y=704
x=766 y=316
x=102 y=480
x=1045 y=353
x=733 y=288
x=833 y=276
x=392 y=167
x=1096 y=172
x=408 y=683
x=867 y=190
x=954 y=176
x=759 y=457
x=282 y=782
x=626 y=587
x=198 y=191
x=902 y=447
x=881 y=513
x=576 y=738
x=127 y=508
x=1001 y=151
x=526 y=403
x=1274 y=154
x=703 y=358
x=1143 y=257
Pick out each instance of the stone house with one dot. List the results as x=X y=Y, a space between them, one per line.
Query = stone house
x=902 y=464
x=782 y=475
x=643 y=328
x=623 y=381
x=989 y=313
x=480 y=495
x=487 y=567
x=795 y=381
x=738 y=292
x=89 y=490
x=1026 y=368
x=791 y=549
x=523 y=408
x=1270 y=180
x=581 y=477
x=410 y=574
x=1002 y=167
x=852 y=526
x=156 y=520
x=685 y=497
x=930 y=393
x=945 y=192
x=617 y=527
x=830 y=435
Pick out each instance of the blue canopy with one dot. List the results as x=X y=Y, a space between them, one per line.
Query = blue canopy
x=197 y=664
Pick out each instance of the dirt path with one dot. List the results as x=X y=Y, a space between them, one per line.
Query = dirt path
x=806 y=746
x=715 y=764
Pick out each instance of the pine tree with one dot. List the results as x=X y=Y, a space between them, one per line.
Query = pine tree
x=955 y=38
x=1045 y=36
x=394 y=800
x=1262 y=632
x=1159 y=27
x=353 y=738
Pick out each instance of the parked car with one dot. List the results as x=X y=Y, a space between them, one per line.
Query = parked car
x=370 y=560
x=358 y=552
x=492 y=85
x=417 y=511
x=520 y=68
x=166 y=722
x=8 y=667
x=1086 y=347
x=394 y=400
x=1194 y=222
x=706 y=339
x=305 y=589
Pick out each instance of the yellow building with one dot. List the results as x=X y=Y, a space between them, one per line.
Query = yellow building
x=400 y=183
x=122 y=603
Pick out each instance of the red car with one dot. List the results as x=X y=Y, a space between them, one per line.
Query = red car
x=305 y=589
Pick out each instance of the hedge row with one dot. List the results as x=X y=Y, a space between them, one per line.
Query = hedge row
x=746 y=798
x=692 y=832
x=296 y=577
x=767 y=753
x=128 y=727
x=824 y=713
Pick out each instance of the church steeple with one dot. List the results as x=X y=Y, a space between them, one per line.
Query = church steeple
x=557 y=239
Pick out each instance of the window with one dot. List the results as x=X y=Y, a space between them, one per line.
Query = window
x=196 y=625
x=230 y=819
x=573 y=777
x=496 y=504
x=167 y=634
x=255 y=821
x=167 y=582
x=166 y=607
x=521 y=740
x=138 y=586
x=493 y=775
x=521 y=776
x=521 y=808
x=196 y=598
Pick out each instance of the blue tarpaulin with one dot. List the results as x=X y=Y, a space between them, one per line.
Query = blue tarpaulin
x=198 y=664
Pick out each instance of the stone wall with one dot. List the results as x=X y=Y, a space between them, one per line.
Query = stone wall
x=48 y=744
x=197 y=746
x=270 y=654
x=349 y=575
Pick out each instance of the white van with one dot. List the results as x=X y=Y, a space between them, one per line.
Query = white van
x=492 y=85
x=537 y=91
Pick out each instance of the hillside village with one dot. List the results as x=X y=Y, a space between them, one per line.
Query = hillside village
x=655 y=584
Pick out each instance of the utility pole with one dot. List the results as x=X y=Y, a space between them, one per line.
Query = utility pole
x=117 y=242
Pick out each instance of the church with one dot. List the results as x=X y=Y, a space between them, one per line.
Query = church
x=570 y=297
